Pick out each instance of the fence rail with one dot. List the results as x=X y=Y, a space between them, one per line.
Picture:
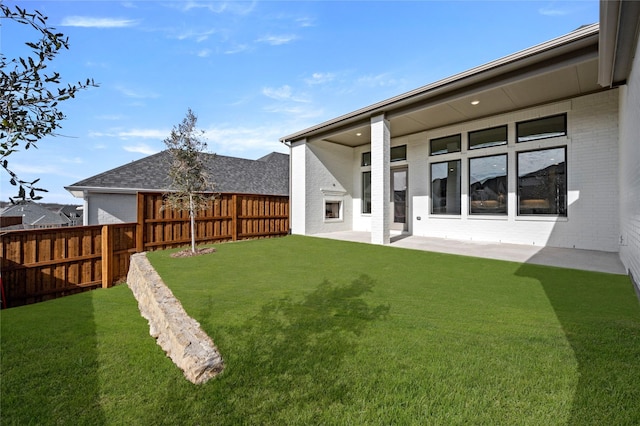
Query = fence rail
x=42 y=264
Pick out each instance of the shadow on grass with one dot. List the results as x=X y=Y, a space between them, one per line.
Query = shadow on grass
x=50 y=363
x=600 y=317
x=289 y=356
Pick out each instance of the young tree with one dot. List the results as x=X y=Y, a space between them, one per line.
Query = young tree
x=187 y=172
x=29 y=94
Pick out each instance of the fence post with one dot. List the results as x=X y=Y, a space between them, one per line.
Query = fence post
x=234 y=217
x=140 y=223
x=107 y=256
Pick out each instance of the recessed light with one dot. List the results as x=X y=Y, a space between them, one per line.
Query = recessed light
x=358 y=134
x=475 y=102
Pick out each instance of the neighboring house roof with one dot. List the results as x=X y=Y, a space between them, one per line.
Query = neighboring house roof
x=561 y=68
x=268 y=175
x=33 y=215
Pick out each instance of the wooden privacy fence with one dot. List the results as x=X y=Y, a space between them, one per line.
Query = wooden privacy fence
x=228 y=217
x=42 y=264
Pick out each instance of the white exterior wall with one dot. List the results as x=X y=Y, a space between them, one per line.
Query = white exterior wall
x=592 y=161
x=592 y=179
x=630 y=170
x=327 y=176
x=101 y=209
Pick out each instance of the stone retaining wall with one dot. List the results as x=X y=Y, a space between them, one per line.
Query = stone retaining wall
x=179 y=335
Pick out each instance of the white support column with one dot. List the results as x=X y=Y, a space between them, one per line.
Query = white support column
x=298 y=188
x=380 y=179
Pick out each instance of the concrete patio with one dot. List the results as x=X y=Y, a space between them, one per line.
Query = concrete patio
x=588 y=260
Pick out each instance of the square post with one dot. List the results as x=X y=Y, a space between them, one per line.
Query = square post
x=380 y=179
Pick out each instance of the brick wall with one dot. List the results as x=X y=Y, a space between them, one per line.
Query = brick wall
x=630 y=170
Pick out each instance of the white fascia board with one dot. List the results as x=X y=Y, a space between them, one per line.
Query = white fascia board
x=79 y=191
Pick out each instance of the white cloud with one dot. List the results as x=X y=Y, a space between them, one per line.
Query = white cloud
x=144 y=134
x=305 y=22
x=40 y=170
x=236 y=7
x=553 y=12
x=91 y=22
x=198 y=36
x=158 y=134
x=237 y=49
x=300 y=112
x=136 y=94
x=203 y=53
x=243 y=141
x=320 y=78
x=379 y=80
x=283 y=93
x=277 y=40
x=141 y=148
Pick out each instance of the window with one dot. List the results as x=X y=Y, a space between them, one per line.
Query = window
x=542 y=128
x=366 y=192
x=494 y=136
x=445 y=145
x=366 y=159
x=332 y=209
x=399 y=153
x=445 y=187
x=542 y=182
x=488 y=185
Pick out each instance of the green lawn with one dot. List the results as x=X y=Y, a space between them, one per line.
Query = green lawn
x=317 y=331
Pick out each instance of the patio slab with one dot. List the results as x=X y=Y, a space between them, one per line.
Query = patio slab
x=588 y=260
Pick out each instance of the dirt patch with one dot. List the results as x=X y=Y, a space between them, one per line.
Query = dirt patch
x=189 y=253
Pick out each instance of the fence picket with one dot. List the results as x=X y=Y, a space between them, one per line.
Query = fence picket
x=41 y=264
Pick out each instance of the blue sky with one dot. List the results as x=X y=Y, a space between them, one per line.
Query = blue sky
x=253 y=71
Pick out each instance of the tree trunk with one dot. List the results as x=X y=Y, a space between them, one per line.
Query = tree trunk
x=192 y=216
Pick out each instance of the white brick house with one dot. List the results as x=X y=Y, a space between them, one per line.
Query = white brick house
x=540 y=147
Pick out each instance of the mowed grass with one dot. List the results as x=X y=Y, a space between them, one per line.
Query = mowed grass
x=317 y=331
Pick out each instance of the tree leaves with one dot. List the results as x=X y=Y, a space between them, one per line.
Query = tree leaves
x=29 y=104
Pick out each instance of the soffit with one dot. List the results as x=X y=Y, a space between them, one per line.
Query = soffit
x=535 y=88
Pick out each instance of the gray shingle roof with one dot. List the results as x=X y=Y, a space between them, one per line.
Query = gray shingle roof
x=33 y=214
x=268 y=175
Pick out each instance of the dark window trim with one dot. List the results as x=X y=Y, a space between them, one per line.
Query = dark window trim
x=399 y=159
x=363 y=199
x=431 y=153
x=566 y=130
x=362 y=162
x=506 y=173
x=566 y=177
x=459 y=161
x=506 y=141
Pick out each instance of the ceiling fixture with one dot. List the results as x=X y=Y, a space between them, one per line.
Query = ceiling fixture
x=358 y=134
x=475 y=102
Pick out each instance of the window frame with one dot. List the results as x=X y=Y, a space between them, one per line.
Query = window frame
x=363 y=163
x=363 y=193
x=431 y=141
x=492 y=145
x=431 y=204
x=542 y=135
x=506 y=191
x=563 y=212
x=396 y=148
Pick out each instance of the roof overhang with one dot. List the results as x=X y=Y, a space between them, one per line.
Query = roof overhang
x=81 y=191
x=556 y=70
x=619 y=27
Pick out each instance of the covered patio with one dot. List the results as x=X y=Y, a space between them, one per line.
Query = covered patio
x=587 y=260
